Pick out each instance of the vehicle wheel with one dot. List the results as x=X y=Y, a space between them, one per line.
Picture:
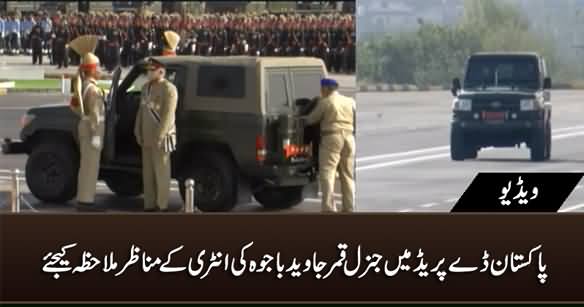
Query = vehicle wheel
x=125 y=185
x=279 y=198
x=51 y=172
x=538 y=148
x=215 y=184
x=457 y=148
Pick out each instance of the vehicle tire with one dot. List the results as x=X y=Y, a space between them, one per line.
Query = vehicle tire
x=51 y=172
x=280 y=197
x=125 y=185
x=215 y=183
x=548 y=142
x=458 y=151
x=538 y=148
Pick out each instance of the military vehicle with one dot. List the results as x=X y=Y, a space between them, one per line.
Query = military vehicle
x=240 y=133
x=504 y=102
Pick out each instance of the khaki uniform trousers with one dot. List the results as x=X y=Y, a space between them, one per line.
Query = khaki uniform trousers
x=337 y=153
x=89 y=162
x=156 y=176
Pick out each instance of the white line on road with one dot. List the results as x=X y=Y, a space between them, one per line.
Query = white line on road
x=447 y=147
x=444 y=155
x=405 y=153
x=572 y=208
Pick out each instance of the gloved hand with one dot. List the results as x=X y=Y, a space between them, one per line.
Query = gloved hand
x=96 y=141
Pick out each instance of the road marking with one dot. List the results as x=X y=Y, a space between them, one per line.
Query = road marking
x=447 y=147
x=573 y=208
x=439 y=156
x=406 y=210
x=451 y=200
x=429 y=205
x=405 y=153
x=402 y=162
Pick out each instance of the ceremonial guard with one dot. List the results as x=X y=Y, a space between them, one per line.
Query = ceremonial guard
x=156 y=133
x=89 y=104
x=113 y=44
x=336 y=115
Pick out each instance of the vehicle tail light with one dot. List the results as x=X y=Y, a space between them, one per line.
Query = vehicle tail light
x=260 y=149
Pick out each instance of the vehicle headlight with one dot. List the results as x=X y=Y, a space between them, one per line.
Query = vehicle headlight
x=462 y=104
x=527 y=104
x=26 y=119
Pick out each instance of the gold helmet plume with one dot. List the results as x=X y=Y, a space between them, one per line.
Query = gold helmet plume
x=171 y=40
x=85 y=46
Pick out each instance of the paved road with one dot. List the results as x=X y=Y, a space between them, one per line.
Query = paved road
x=12 y=106
x=403 y=158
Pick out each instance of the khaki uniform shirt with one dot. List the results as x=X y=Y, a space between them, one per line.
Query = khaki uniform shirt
x=93 y=108
x=335 y=113
x=162 y=97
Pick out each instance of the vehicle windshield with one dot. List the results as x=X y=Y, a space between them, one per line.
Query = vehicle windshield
x=514 y=73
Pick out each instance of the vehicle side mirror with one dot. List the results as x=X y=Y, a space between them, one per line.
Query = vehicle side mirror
x=455 y=87
x=547 y=83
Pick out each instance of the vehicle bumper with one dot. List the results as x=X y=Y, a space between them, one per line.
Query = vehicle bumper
x=282 y=176
x=508 y=133
x=10 y=147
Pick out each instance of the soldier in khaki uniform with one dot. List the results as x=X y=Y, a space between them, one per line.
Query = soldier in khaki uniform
x=155 y=132
x=335 y=113
x=171 y=40
x=91 y=128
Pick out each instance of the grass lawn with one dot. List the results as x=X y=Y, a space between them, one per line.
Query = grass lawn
x=37 y=84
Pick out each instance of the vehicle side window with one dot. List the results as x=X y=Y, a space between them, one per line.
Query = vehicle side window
x=221 y=81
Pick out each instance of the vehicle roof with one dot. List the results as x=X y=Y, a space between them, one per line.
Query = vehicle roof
x=241 y=60
x=505 y=53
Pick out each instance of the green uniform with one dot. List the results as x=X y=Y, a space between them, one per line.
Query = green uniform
x=337 y=148
x=156 y=120
x=90 y=125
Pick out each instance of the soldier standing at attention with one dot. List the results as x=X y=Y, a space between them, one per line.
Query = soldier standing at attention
x=155 y=133
x=335 y=113
x=36 y=43
x=91 y=127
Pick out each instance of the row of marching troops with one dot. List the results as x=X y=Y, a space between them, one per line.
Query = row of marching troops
x=126 y=38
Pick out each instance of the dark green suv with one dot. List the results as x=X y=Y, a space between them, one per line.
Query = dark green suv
x=240 y=133
x=504 y=102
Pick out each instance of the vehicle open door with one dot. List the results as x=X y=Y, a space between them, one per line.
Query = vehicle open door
x=111 y=118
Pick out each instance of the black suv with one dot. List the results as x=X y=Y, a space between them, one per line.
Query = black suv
x=240 y=132
x=504 y=102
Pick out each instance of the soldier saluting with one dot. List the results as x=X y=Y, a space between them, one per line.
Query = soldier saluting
x=155 y=133
x=91 y=127
x=336 y=115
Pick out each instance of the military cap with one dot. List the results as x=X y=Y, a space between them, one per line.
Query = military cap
x=152 y=64
x=327 y=82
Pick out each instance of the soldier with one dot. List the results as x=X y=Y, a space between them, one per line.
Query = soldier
x=113 y=43
x=36 y=44
x=171 y=40
x=60 y=41
x=91 y=127
x=155 y=133
x=335 y=113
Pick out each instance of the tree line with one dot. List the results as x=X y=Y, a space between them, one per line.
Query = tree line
x=434 y=54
